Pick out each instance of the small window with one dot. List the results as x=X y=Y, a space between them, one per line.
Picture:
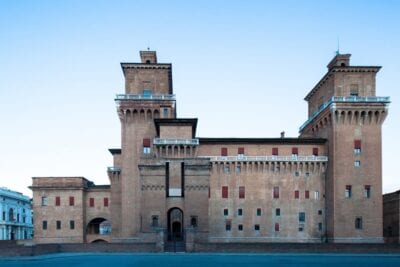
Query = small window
x=319 y=212
x=226 y=168
x=105 y=201
x=240 y=227
x=275 y=151
x=58 y=225
x=306 y=194
x=357 y=147
x=224 y=151
x=226 y=212
x=358 y=223
x=72 y=225
x=44 y=225
x=316 y=194
x=320 y=227
x=357 y=163
x=367 y=191
x=44 y=201
x=227 y=226
x=147 y=93
x=276 y=227
x=165 y=113
x=307 y=174
x=4 y=215
x=277 y=212
x=240 y=212
x=297 y=173
x=295 y=151
x=242 y=192
x=276 y=191
x=296 y=194
x=257 y=227
x=154 y=221
x=238 y=169
x=58 y=201
x=348 y=191
x=258 y=211
x=71 y=201
x=146 y=146
x=302 y=217
x=193 y=221
x=315 y=151
x=240 y=152
x=354 y=90
x=224 y=192
x=91 y=202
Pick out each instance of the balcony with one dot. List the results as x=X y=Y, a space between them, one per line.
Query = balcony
x=346 y=99
x=114 y=169
x=120 y=97
x=268 y=158
x=163 y=141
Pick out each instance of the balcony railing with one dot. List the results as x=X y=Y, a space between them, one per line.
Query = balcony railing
x=144 y=97
x=114 y=169
x=267 y=158
x=164 y=141
x=344 y=99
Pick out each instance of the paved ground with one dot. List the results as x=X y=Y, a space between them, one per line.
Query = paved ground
x=205 y=260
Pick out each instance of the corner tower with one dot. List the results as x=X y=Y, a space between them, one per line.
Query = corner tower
x=343 y=108
x=148 y=95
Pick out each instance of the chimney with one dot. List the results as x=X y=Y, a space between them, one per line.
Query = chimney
x=283 y=134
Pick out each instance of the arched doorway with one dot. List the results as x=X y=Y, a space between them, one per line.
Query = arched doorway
x=175 y=224
x=99 y=226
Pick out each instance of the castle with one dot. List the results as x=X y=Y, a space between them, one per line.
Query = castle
x=167 y=184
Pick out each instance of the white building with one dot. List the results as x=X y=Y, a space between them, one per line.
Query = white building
x=15 y=215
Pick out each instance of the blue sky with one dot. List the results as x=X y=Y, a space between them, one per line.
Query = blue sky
x=241 y=67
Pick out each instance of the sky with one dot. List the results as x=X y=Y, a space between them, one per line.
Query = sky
x=241 y=67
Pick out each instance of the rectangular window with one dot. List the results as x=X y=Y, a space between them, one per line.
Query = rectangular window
x=320 y=227
x=316 y=194
x=276 y=191
x=257 y=227
x=240 y=212
x=224 y=151
x=165 y=112
x=147 y=93
x=307 y=194
x=4 y=215
x=302 y=217
x=146 y=146
x=295 y=151
x=240 y=227
x=348 y=191
x=44 y=225
x=72 y=225
x=367 y=191
x=315 y=151
x=226 y=212
x=275 y=151
x=226 y=168
x=297 y=173
x=241 y=192
x=277 y=212
x=71 y=201
x=296 y=194
x=44 y=201
x=91 y=202
x=358 y=223
x=193 y=221
x=224 y=192
x=105 y=201
x=58 y=225
x=276 y=227
x=154 y=220
x=319 y=212
x=238 y=169
x=357 y=163
x=354 y=89
x=357 y=147
x=258 y=211
x=58 y=201
x=227 y=226
x=241 y=151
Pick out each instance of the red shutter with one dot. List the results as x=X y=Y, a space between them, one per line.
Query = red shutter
x=241 y=192
x=276 y=227
x=315 y=151
x=58 y=201
x=307 y=194
x=295 y=150
x=105 y=200
x=241 y=150
x=275 y=151
x=146 y=142
x=71 y=201
x=357 y=144
x=224 y=192
x=296 y=194
x=276 y=191
x=224 y=151
x=91 y=202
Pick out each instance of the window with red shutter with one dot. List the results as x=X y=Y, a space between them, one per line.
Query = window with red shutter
x=307 y=194
x=275 y=151
x=296 y=194
x=91 y=202
x=276 y=191
x=224 y=151
x=357 y=144
x=276 y=227
x=58 y=201
x=146 y=142
x=241 y=192
x=224 y=192
x=105 y=200
x=241 y=150
x=315 y=151
x=295 y=151
x=71 y=201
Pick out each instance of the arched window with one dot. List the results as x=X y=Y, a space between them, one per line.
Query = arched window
x=11 y=215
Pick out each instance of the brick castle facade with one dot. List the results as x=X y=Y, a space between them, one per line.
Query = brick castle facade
x=168 y=184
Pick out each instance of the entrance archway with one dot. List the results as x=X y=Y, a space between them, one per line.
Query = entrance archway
x=175 y=224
